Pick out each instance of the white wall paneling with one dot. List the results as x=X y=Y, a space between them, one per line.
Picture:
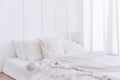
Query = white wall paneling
x=48 y=18
x=80 y=19
x=61 y=21
x=65 y=14
x=10 y=26
x=32 y=19
x=72 y=19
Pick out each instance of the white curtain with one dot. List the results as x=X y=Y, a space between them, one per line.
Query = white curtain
x=101 y=26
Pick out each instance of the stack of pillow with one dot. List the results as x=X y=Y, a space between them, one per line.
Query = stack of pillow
x=45 y=48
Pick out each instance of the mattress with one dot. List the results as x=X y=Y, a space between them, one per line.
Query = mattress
x=16 y=68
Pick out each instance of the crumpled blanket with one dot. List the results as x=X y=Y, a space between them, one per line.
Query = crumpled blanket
x=55 y=69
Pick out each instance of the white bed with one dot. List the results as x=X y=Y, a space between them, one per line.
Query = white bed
x=15 y=68
x=74 y=64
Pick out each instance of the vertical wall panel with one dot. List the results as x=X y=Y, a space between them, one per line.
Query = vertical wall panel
x=72 y=19
x=48 y=19
x=32 y=18
x=61 y=21
x=59 y=18
x=80 y=19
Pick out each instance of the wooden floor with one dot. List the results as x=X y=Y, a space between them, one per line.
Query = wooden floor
x=5 y=77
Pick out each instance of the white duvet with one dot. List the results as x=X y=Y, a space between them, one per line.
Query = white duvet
x=79 y=67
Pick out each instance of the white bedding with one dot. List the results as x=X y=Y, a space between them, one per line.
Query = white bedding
x=15 y=68
x=80 y=67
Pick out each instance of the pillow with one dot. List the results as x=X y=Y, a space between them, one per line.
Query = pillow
x=72 y=47
x=33 y=49
x=28 y=49
x=51 y=48
x=19 y=49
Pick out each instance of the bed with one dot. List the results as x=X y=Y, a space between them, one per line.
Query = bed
x=15 y=68
x=48 y=59
x=92 y=66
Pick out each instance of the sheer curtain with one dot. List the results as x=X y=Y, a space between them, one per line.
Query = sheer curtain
x=101 y=26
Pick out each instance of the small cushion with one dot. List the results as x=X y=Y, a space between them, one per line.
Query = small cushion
x=28 y=49
x=51 y=47
x=72 y=47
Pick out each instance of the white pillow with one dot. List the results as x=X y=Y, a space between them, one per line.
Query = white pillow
x=28 y=49
x=33 y=49
x=51 y=48
x=73 y=48
x=19 y=49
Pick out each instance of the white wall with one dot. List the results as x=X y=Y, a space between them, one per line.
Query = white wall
x=34 y=19
x=10 y=26
x=59 y=17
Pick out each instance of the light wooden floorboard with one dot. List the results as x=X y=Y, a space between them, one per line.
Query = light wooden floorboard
x=5 y=77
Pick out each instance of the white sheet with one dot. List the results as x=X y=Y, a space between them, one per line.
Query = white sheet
x=103 y=60
x=16 y=68
x=71 y=66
